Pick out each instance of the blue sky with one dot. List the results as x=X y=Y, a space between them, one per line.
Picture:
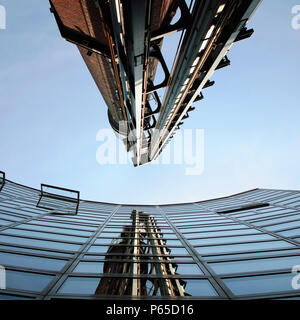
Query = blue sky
x=51 y=111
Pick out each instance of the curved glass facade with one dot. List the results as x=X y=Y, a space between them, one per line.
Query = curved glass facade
x=239 y=247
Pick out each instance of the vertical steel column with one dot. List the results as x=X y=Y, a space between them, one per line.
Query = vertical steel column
x=167 y=286
x=135 y=281
x=138 y=17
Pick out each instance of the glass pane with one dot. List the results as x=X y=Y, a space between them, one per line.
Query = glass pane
x=10 y=217
x=290 y=233
x=283 y=226
x=79 y=285
x=260 y=284
x=110 y=234
x=39 y=243
x=89 y=267
x=26 y=281
x=188 y=268
x=222 y=233
x=100 y=249
x=22 y=261
x=252 y=254
x=113 y=230
x=265 y=215
x=53 y=229
x=97 y=267
x=232 y=239
x=277 y=220
x=293 y=202
x=224 y=227
x=103 y=241
x=175 y=251
x=17 y=211
x=171 y=242
x=186 y=258
x=201 y=288
x=210 y=222
x=5 y=222
x=255 y=265
x=170 y=236
x=244 y=246
x=64 y=225
x=51 y=236
x=53 y=253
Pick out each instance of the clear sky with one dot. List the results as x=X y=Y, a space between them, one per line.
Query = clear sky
x=51 y=111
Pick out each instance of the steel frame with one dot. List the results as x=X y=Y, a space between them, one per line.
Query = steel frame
x=215 y=50
x=134 y=48
x=2 y=179
x=48 y=195
x=165 y=218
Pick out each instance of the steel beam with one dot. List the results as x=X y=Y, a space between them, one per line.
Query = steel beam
x=217 y=40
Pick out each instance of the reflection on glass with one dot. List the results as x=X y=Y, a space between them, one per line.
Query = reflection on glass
x=241 y=238
x=201 y=288
x=89 y=267
x=260 y=284
x=250 y=254
x=49 y=253
x=55 y=230
x=26 y=281
x=5 y=222
x=290 y=233
x=79 y=285
x=293 y=224
x=251 y=246
x=142 y=238
x=211 y=234
x=26 y=261
x=10 y=217
x=255 y=265
x=39 y=243
x=45 y=235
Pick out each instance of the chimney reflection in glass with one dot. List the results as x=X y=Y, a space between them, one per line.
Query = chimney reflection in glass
x=144 y=258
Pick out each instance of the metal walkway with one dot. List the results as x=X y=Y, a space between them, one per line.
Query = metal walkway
x=121 y=43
